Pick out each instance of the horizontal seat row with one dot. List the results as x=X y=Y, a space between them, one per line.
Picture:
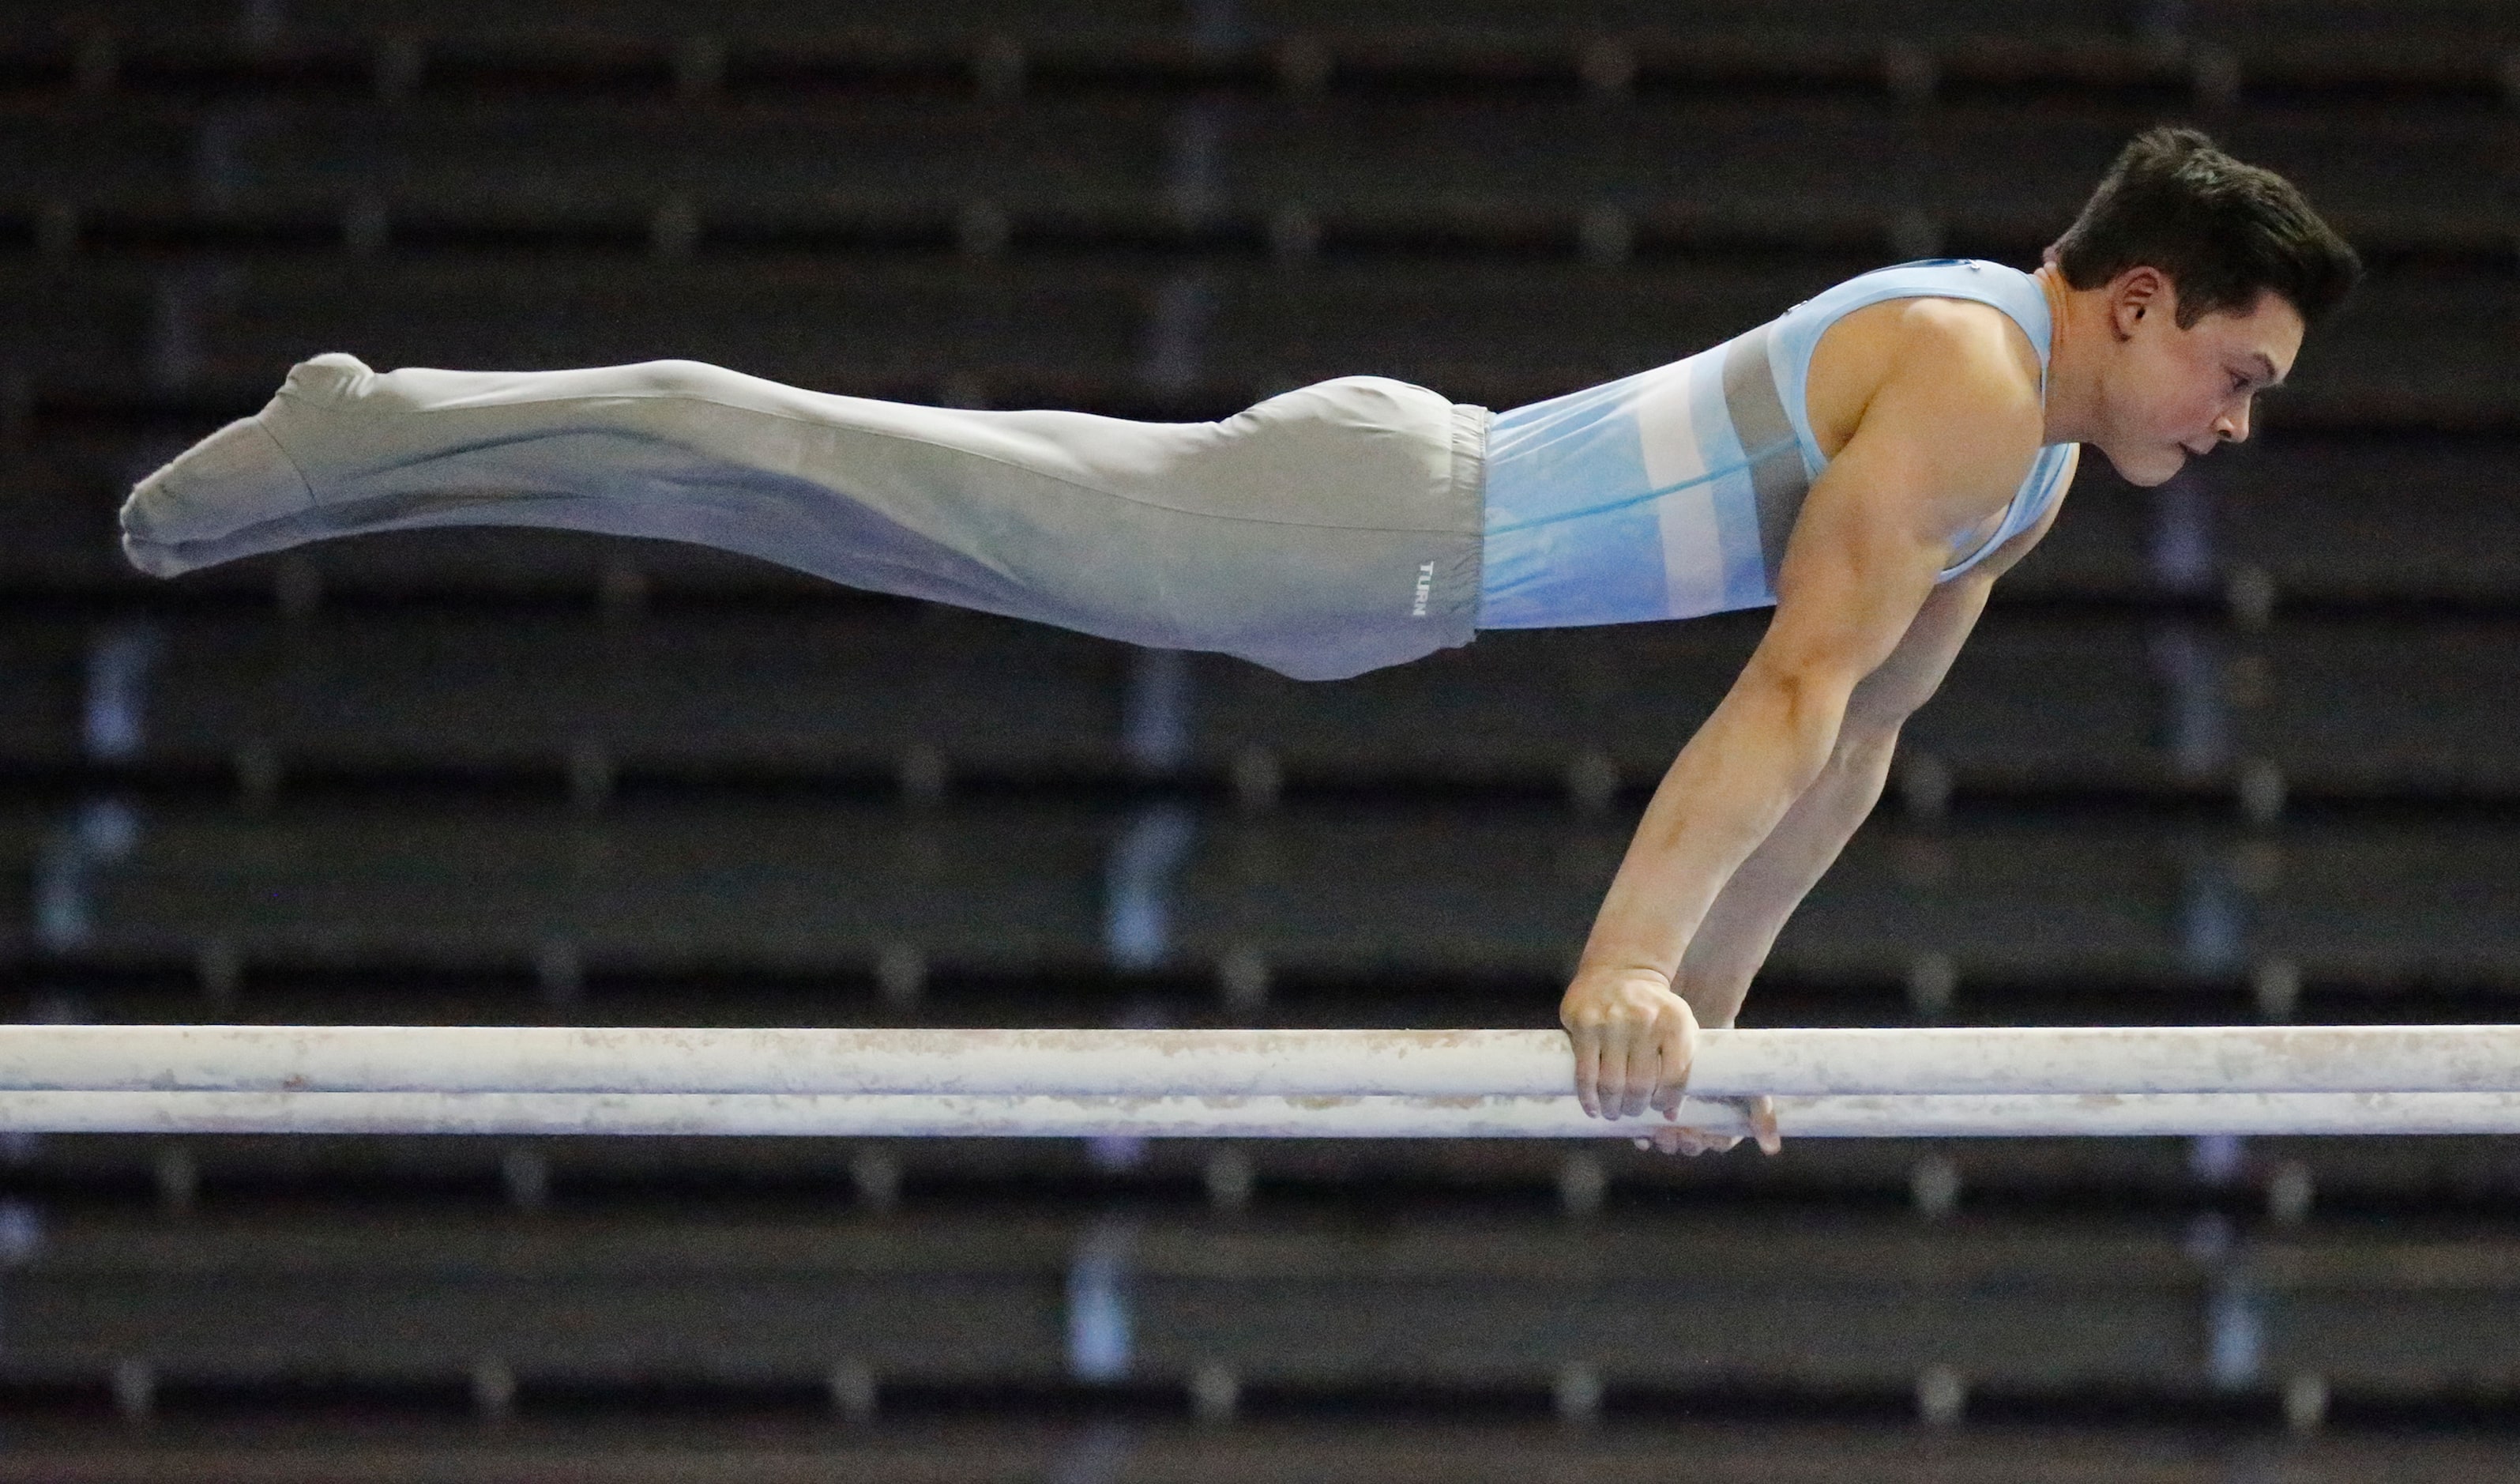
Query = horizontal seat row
x=2259 y=1186
x=1858 y=1304
x=826 y=886
x=1810 y=33
x=1759 y=169
x=2422 y=345
x=1502 y=1444
x=2079 y=701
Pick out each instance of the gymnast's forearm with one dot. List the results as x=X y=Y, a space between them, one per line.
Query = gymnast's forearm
x=1734 y=940
x=1764 y=747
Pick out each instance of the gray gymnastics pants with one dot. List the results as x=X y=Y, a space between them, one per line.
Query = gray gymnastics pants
x=1327 y=531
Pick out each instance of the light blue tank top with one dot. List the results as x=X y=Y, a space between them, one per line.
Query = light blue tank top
x=1669 y=494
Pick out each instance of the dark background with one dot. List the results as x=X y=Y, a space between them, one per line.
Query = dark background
x=2238 y=748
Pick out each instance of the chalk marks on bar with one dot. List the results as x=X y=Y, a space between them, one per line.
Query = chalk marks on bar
x=871 y=1115
x=1158 y=1063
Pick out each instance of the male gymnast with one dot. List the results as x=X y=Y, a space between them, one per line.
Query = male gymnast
x=1870 y=463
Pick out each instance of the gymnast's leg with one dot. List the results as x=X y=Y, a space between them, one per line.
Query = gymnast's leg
x=878 y=495
x=1249 y=535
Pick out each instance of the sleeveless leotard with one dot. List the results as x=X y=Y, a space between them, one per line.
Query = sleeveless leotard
x=1670 y=494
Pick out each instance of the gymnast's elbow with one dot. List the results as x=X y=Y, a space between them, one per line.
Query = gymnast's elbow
x=1808 y=699
x=1864 y=749
x=1868 y=731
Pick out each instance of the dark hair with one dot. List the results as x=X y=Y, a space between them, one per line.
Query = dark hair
x=2224 y=232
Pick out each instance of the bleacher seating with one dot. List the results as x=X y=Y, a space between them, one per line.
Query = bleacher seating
x=2238 y=747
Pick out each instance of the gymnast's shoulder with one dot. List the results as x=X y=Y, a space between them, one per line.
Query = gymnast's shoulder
x=1939 y=364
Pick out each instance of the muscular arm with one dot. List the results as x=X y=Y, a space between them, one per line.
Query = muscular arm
x=1934 y=454
x=1734 y=940
x=1716 y=970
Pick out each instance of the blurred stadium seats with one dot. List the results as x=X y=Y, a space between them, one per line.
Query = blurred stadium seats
x=2241 y=746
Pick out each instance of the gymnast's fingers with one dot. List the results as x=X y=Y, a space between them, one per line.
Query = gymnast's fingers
x=1705 y=1142
x=1763 y=1125
x=1645 y=1061
x=1587 y=1068
x=1610 y=1090
x=1689 y=1142
x=1675 y=1039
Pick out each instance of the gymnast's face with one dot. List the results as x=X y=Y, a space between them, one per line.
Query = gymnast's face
x=2170 y=394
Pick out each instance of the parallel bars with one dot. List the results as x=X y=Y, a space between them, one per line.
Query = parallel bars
x=1240 y=1083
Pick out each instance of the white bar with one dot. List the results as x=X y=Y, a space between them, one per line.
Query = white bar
x=1447 y=1063
x=1949 y=1115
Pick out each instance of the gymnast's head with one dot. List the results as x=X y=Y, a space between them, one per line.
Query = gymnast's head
x=2190 y=280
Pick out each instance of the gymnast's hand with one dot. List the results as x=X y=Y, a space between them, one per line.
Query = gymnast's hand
x=1633 y=1040
x=1761 y=1111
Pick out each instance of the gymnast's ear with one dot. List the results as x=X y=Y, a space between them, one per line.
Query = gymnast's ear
x=2141 y=293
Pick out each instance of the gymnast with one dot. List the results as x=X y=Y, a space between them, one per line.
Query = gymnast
x=1868 y=461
